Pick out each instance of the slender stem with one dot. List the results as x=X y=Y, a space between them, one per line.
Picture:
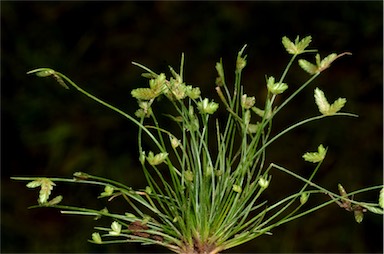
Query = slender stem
x=287 y=68
x=295 y=93
x=107 y=104
x=297 y=125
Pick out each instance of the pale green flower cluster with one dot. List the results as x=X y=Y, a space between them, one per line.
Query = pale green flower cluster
x=174 y=89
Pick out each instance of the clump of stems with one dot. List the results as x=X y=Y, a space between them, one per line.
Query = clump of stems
x=209 y=196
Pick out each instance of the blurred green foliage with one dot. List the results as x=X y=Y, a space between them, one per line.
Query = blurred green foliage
x=47 y=130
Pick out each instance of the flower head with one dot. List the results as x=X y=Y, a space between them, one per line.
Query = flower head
x=206 y=107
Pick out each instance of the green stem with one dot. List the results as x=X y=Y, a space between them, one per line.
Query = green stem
x=294 y=94
x=297 y=125
x=102 y=102
x=323 y=189
x=287 y=68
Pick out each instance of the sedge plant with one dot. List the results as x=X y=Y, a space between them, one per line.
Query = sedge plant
x=203 y=196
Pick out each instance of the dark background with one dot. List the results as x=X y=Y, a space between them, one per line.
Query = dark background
x=46 y=130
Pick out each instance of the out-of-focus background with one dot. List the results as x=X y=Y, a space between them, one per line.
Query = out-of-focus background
x=50 y=131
